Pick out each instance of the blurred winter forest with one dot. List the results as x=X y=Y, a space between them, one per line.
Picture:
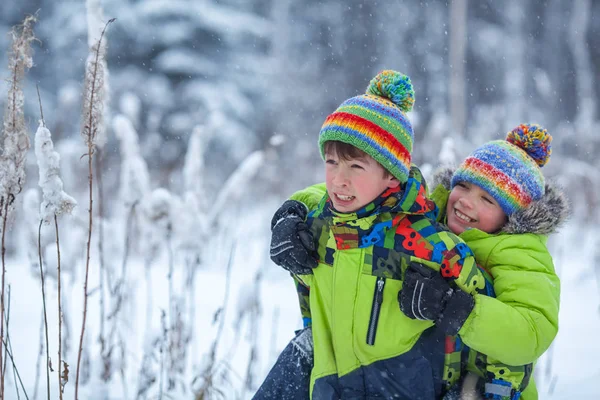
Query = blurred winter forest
x=211 y=111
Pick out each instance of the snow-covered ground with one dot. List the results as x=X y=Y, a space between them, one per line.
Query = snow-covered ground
x=568 y=371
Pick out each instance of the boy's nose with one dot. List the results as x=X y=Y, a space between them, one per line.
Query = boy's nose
x=341 y=179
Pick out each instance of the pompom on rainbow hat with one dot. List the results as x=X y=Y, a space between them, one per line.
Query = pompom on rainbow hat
x=376 y=123
x=510 y=170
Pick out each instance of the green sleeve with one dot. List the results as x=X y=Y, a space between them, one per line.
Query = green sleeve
x=311 y=196
x=519 y=325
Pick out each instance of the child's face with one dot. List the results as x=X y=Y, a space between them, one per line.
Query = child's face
x=352 y=184
x=469 y=206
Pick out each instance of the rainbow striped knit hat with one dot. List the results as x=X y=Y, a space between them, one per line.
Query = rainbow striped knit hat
x=510 y=170
x=376 y=123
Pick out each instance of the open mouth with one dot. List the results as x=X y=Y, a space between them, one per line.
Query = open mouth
x=344 y=198
x=464 y=217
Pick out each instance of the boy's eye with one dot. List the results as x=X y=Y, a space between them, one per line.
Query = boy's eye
x=357 y=166
x=488 y=200
x=330 y=161
x=462 y=185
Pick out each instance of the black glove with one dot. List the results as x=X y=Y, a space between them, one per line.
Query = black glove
x=425 y=295
x=292 y=244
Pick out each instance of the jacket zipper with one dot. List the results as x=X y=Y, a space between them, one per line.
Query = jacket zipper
x=375 y=310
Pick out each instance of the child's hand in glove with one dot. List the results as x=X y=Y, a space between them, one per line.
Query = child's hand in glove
x=292 y=244
x=425 y=295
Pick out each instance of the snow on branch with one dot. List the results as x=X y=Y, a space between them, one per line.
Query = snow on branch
x=95 y=18
x=94 y=93
x=55 y=200
x=16 y=139
x=234 y=186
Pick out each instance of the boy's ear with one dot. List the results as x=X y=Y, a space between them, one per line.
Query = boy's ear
x=393 y=182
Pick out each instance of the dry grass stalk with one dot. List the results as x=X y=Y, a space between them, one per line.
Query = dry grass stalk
x=16 y=144
x=65 y=373
x=9 y=351
x=15 y=369
x=55 y=203
x=101 y=337
x=163 y=322
x=48 y=362
x=92 y=114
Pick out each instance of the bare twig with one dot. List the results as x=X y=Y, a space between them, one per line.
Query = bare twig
x=9 y=348
x=89 y=133
x=4 y=218
x=163 y=318
x=7 y=316
x=40 y=101
x=104 y=352
x=44 y=303
x=39 y=357
x=17 y=371
x=61 y=385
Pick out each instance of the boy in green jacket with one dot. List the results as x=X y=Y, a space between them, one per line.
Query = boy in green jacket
x=506 y=227
x=373 y=224
x=497 y=201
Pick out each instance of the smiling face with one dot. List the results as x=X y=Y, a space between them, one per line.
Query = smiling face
x=354 y=182
x=469 y=206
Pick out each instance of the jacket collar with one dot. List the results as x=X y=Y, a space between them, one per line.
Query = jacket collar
x=410 y=198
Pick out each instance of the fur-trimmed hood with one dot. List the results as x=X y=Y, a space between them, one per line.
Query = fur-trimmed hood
x=543 y=216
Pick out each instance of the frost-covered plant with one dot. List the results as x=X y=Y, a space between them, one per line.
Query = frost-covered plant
x=16 y=138
x=55 y=200
x=231 y=189
x=134 y=185
x=55 y=203
x=96 y=28
x=93 y=105
x=15 y=146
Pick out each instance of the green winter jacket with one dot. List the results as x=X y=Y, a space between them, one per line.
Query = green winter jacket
x=364 y=346
x=517 y=326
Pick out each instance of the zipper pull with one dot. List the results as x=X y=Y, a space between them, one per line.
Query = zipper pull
x=379 y=294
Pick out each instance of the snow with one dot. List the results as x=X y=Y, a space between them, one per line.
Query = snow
x=56 y=201
x=242 y=70
x=574 y=372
